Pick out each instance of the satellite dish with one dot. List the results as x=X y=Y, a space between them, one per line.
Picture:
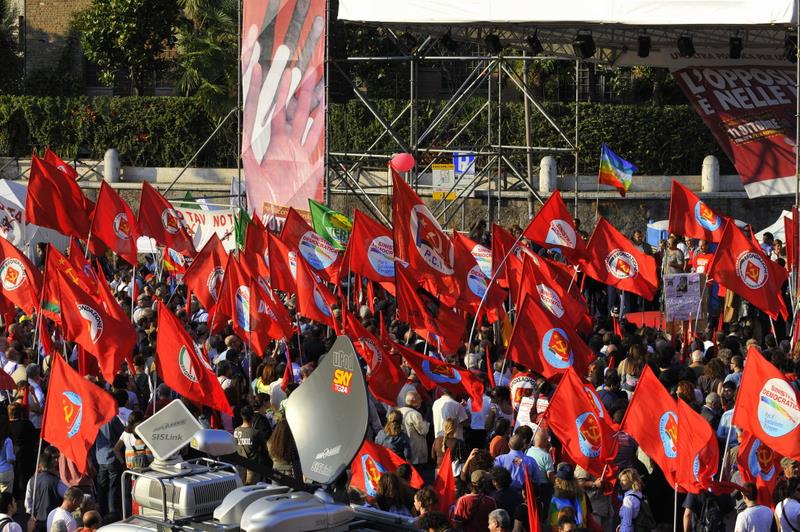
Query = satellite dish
x=328 y=413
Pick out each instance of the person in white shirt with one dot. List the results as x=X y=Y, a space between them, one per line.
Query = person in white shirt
x=445 y=407
x=787 y=511
x=72 y=501
x=754 y=518
x=8 y=509
x=36 y=395
x=416 y=428
x=477 y=423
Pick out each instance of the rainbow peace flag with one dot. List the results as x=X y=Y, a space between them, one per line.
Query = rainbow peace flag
x=615 y=171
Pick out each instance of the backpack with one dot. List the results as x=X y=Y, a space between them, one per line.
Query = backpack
x=644 y=520
x=139 y=457
x=710 y=517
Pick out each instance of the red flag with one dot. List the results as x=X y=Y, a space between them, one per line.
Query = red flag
x=482 y=254
x=288 y=373
x=268 y=316
x=160 y=221
x=579 y=420
x=114 y=225
x=322 y=257
x=614 y=260
x=384 y=378
x=554 y=227
x=510 y=271
x=78 y=261
x=767 y=406
x=87 y=363
x=474 y=283
x=490 y=369
x=370 y=251
x=420 y=241
x=6 y=382
x=698 y=450
x=445 y=484
x=182 y=368
x=255 y=255
x=424 y=312
x=371 y=462
x=759 y=464
x=55 y=201
x=282 y=265
x=314 y=300
x=545 y=343
x=88 y=321
x=791 y=244
x=204 y=276
x=74 y=411
x=56 y=263
x=68 y=171
x=652 y=420
x=691 y=217
x=20 y=280
x=741 y=266
x=530 y=500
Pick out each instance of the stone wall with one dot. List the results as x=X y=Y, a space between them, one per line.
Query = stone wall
x=47 y=25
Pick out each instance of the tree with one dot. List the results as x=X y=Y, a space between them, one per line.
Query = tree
x=129 y=36
x=10 y=63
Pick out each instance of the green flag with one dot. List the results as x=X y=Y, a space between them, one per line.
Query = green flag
x=189 y=202
x=240 y=227
x=333 y=226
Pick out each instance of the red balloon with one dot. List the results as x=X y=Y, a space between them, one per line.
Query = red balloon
x=402 y=162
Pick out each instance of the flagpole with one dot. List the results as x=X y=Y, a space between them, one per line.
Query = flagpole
x=36 y=333
x=727 y=443
x=700 y=306
x=675 y=510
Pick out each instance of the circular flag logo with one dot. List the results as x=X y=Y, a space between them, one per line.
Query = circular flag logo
x=598 y=405
x=483 y=256
x=668 y=430
x=556 y=348
x=214 y=282
x=761 y=461
x=696 y=467
x=432 y=244
x=778 y=411
x=476 y=282
x=319 y=301
x=170 y=221
x=72 y=406
x=293 y=264
x=380 y=254
x=318 y=252
x=752 y=270
x=561 y=234
x=372 y=474
x=440 y=373
x=94 y=320
x=622 y=264
x=185 y=364
x=12 y=274
x=243 y=307
x=375 y=353
x=550 y=300
x=589 y=434
x=121 y=226
x=706 y=217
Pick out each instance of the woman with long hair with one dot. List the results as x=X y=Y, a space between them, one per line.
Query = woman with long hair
x=446 y=441
x=567 y=496
x=389 y=496
x=632 y=486
x=282 y=448
x=393 y=437
x=266 y=376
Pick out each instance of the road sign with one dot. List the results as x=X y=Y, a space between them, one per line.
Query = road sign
x=442 y=179
x=464 y=164
x=168 y=431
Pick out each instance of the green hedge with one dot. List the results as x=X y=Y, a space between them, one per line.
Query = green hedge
x=166 y=131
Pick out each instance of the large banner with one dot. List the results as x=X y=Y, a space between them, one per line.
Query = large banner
x=202 y=223
x=283 y=136
x=749 y=106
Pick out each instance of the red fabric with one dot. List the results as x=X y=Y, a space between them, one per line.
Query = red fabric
x=269 y=315
x=530 y=499
x=204 y=276
x=546 y=344
x=445 y=484
x=254 y=258
x=68 y=171
x=87 y=364
x=55 y=201
x=370 y=252
x=577 y=417
x=742 y=266
x=371 y=462
x=554 y=227
x=490 y=369
x=767 y=406
x=322 y=257
x=159 y=220
x=314 y=300
x=77 y=259
x=384 y=378
x=507 y=274
x=97 y=324
x=114 y=225
x=614 y=260
x=282 y=265
x=421 y=243
x=20 y=280
x=234 y=300
x=482 y=254
x=6 y=382
x=791 y=240
x=759 y=464
x=424 y=312
x=74 y=411
x=473 y=283
x=652 y=420
x=698 y=450
x=182 y=369
x=288 y=373
x=691 y=217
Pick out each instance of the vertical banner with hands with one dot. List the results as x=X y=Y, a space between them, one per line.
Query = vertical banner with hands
x=283 y=88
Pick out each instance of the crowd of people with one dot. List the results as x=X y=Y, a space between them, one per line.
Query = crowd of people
x=492 y=448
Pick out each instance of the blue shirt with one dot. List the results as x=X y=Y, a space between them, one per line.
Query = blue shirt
x=516 y=462
x=726 y=429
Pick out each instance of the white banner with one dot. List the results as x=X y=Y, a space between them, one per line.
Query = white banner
x=203 y=223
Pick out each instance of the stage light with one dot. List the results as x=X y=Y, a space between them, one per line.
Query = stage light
x=534 y=44
x=790 y=47
x=448 y=42
x=685 y=46
x=583 y=45
x=644 y=45
x=493 y=43
x=735 y=48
